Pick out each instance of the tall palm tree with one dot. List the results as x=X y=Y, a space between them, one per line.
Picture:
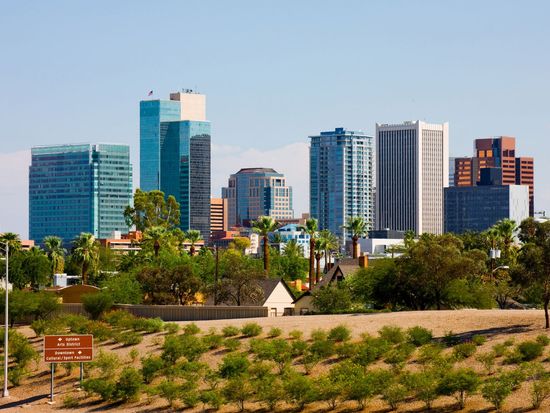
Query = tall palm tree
x=330 y=242
x=293 y=249
x=319 y=251
x=357 y=227
x=193 y=236
x=155 y=236
x=263 y=226
x=56 y=253
x=13 y=240
x=86 y=252
x=311 y=229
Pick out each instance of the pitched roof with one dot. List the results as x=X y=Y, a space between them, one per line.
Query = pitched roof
x=267 y=285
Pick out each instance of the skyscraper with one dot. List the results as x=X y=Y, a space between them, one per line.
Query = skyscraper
x=175 y=155
x=253 y=192
x=341 y=179
x=218 y=215
x=497 y=154
x=412 y=169
x=79 y=188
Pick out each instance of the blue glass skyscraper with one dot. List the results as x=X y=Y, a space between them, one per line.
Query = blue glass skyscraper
x=79 y=188
x=175 y=155
x=341 y=179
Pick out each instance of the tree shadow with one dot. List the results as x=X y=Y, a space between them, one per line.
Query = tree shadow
x=491 y=332
x=22 y=402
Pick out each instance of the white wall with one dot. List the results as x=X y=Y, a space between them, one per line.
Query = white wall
x=279 y=299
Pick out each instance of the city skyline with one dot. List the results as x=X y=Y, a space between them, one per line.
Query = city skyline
x=270 y=94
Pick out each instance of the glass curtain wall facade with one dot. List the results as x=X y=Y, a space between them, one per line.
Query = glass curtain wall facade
x=78 y=188
x=175 y=155
x=341 y=179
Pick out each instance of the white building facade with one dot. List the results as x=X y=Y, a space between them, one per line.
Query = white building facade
x=412 y=166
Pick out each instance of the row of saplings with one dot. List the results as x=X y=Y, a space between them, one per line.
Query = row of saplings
x=273 y=371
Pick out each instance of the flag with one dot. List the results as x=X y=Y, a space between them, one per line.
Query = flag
x=150 y=93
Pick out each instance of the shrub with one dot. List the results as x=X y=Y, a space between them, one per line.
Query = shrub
x=129 y=338
x=298 y=348
x=233 y=365
x=430 y=353
x=397 y=356
x=168 y=390
x=274 y=332
x=231 y=344
x=270 y=391
x=100 y=386
x=70 y=402
x=530 y=350
x=464 y=350
x=107 y=363
x=96 y=304
x=230 y=331
x=238 y=390
x=345 y=350
x=543 y=339
x=100 y=330
x=370 y=350
x=424 y=386
x=295 y=335
x=488 y=361
x=495 y=390
x=49 y=326
x=500 y=349
x=251 y=330
x=151 y=367
x=339 y=333
x=540 y=391
x=322 y=348
x=419 y=336
x=128 y=386
x=299 y=389
x=213 y=341
x=148 y=325
x=318 y=335
x=212 y=398
x=392 y=334
x=174 y=347
x=171 y=328
x=459 y=383
x=479 y=340
x=394 y=394
x=309 y=361
x=191 y=329
x=120 y=319
x=45 y=305
x=328 y=390
x=16 y=374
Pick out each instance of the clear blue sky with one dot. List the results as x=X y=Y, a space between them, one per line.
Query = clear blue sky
x=274 y=73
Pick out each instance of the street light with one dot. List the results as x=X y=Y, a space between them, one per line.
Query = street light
x=6 y=392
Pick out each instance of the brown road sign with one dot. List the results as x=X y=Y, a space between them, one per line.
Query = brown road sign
x=65 y=349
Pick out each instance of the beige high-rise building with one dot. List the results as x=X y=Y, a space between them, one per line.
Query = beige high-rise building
x=412 y=167
x=218 y=215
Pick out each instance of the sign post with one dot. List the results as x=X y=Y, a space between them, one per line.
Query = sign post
x=67 y=349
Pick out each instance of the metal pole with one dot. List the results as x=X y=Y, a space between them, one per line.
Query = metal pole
x=51 y=382
x=6 y=392
x=81 y=373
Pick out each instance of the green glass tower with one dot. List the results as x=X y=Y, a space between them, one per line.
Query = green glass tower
x=79 y=188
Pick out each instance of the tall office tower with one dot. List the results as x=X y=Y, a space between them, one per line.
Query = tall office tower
x=218 y=215
x=452 y=171
x=175 y=155
x=498 y=154
x=253 y=192
x=79 y=188
x=341 y=179
x=412 y=169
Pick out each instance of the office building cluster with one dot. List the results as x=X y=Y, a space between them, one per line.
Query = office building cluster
x=401 y=179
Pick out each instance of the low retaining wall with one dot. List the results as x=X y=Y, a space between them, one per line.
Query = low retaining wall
x=182 y=313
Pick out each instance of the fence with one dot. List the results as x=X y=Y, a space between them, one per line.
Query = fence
x=182 y=313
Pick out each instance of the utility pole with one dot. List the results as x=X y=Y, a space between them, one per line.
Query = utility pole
x=6 y=392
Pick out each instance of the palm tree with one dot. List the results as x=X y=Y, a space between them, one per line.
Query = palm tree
x=155 y=236
x=357 y=227
x=86 y=252
x=13 y=240
x=193 y=236
x=293 y=249
x=56 y=253
x=506 y=230
x=263 y=226
x=311 y=228
x=330 y=242
x=319 y=251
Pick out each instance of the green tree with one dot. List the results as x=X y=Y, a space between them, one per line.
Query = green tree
x=154 y=237
x=123 y=288
x=240 y=244
x=330 y=243
x=13 y=240
x=506 y=230
x=56 y=253
x=534 y=261
x=152 y=209
x=239 y=279
x=36 y=267
x=311 y=227
x=319 y=251
x=332 y=299
x=356 y=227
x=184 y=283
x=86 y=253
x=193 y=236
x=459 y=383
x=264 y=225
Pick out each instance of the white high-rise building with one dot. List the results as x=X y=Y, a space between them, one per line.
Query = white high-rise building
x=412 y=166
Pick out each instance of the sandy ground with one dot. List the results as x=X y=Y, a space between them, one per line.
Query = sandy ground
x=496 y=325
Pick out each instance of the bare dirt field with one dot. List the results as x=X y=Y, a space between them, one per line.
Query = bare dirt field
x=496 y=325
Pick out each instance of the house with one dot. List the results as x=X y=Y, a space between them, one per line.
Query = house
x=341 y=269
x=277 y=297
